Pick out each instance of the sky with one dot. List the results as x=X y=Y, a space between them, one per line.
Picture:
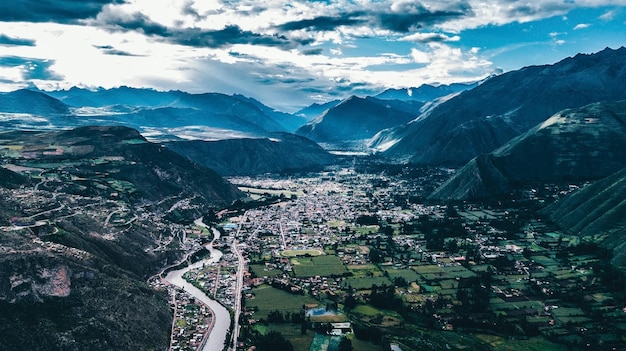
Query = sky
x=289 y=54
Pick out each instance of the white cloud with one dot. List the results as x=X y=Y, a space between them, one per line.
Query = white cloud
x=419 y=56
x=428 y=37
x=608 y=16
x=141 y=59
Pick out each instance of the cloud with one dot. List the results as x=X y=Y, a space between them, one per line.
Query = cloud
x=316 y=51
x=110 y=50
x=582 y=26
x=402 y=20
x=405 y=22
x=60 y=11
x=429 y=37
x=115 y=21
x=324 y=23
x=10 y=41
x=419 y=56
x=608 y=16
x=31 y=68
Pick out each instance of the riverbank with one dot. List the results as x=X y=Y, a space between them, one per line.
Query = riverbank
x=221 y=320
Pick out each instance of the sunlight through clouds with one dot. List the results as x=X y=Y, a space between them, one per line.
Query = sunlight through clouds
x=328 y=48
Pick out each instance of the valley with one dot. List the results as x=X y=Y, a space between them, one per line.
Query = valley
x=482 y=216
x=394 y=271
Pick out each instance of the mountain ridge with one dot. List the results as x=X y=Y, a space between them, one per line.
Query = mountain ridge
x=577 y=144
x=524 y=98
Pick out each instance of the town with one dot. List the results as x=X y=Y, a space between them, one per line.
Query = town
x=361 y=258
x=358 y=257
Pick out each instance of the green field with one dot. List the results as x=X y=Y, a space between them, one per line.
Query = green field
x=291 y=332
x=295 y=253
x=261 y=271
x=267 y=299
x=530 y=344
x=323 y=266
x=408 y=274
x=362 y=283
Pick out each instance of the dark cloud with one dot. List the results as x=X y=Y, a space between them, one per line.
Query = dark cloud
x=230 y=35
x=187 y=9
x=61 y=11
x=135 y=22
x=324 y=23
x=109 y=50
x=31 y=68
x=311 y=52
x=6 y=40
x=402 y=20
x=194 y=37
x=405 y=22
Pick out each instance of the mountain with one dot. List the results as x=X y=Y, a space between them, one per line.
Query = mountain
x=290 y=122
x=481 y=119
x=166 y=118
x=314 y=110
x=575 y=144
x=87 y=216
x=424 y=92
x=280 y=152
x=123 y=95
x=32 y=102
x=596 y=212
x=215 y=105
x=150 y=171
x=356 y=119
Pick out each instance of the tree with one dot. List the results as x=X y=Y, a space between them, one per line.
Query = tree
x=345 y=344
x=400 y=282
x=272 y=341
x=452 y=246
x=376 y=255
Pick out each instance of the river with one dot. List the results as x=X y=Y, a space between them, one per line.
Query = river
x=217 y=336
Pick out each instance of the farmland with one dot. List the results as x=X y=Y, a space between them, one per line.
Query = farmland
x=423 y=276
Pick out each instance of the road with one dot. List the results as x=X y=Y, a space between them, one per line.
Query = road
x=238 y=291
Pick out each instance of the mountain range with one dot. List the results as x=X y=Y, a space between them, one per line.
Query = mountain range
x=361 y=118
x=479 y=120
x=85 y=159
x=144 y=109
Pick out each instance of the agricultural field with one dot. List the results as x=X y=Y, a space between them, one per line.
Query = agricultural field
x=265 y=298
x=304 y=252
x=365 y=283
x=292 y=332
x=408 y=274
x=323 y=266
x=261 y=271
